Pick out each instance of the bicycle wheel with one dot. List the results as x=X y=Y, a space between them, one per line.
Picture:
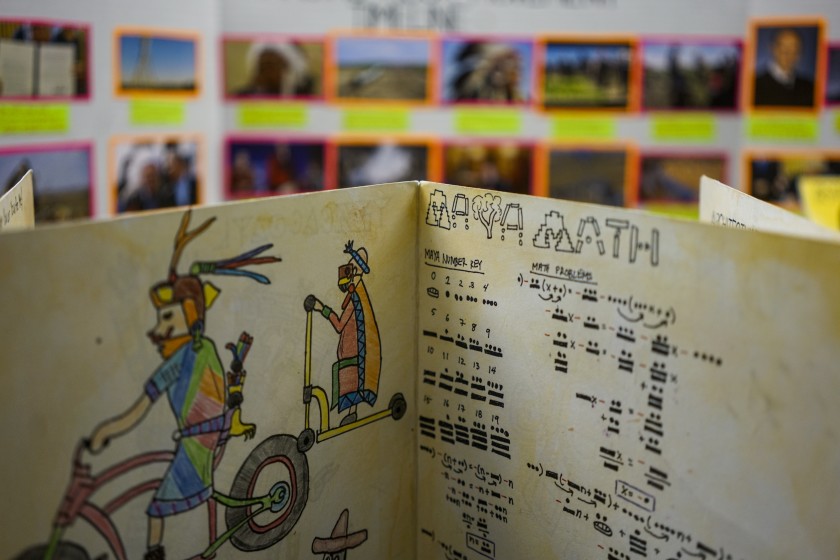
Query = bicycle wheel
x=65 y=550
x=276 y=467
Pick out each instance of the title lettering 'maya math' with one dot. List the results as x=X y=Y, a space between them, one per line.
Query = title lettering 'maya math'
x=616 y=237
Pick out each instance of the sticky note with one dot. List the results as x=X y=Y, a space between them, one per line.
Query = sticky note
x=684 y=128
x=488 y=121
x=378 y=120
x=582 y=127
x=156 y=112
x=22 y=119
x=783 y=127
x=820 y=197
x=837 y=122
x=263 y=115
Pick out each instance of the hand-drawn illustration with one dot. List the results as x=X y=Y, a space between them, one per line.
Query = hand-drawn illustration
x=487 y=209
x=437 y=213
x=355 y=375
x=207 y=406
x=335 y=547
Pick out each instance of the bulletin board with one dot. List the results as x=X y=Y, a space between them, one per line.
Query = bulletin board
x=125 y=107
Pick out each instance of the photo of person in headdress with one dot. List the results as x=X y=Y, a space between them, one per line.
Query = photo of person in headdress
x=273 y=68
x=786 y=66
x=487 y=71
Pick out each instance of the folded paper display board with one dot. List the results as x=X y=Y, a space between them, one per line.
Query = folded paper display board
x=418 y=370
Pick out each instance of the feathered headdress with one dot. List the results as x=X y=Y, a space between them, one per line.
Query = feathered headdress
x=177 y=288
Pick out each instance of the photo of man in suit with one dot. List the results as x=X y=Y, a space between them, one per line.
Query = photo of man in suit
x=786 y=79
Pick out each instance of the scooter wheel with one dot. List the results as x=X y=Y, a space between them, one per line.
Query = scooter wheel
x=274 y=463
x=306 y=440
x=398 y=406
x=64 y=551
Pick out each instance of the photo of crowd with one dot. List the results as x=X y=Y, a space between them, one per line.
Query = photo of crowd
x=155 y=173
x=500 y=166
x=261 y=167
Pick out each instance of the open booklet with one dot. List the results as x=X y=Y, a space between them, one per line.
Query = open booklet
x=419 y=371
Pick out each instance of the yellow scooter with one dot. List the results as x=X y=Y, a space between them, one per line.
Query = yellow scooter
x=308 y=437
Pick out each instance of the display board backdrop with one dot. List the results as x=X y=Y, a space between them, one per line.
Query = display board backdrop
x=133 y=106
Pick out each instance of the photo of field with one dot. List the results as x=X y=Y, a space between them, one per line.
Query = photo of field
x=586 y=175
x=587 y=75
x=690 y=76
x=503 y=167
x=157 y=64
x=383 y=68
x=61 y=176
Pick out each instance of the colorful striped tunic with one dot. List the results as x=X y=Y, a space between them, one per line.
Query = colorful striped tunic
x=193 y=379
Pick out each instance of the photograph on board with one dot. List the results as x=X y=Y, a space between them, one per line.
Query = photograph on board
x=384 y=68
x=363 y=162
x=273 y=67
x=44 y=59
x=499 y=166
x=487 y=70
x=62 y=178
x=832 y=85
x=686 y=75
x=269 y=166
x=669 y=183
x=154 y=172
x=587 y=74
x=774 y=176
x=785 y=65
x=157 y=62
x=600 y=175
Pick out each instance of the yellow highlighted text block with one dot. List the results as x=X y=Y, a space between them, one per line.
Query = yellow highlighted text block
x=684 y=128
x=22 y=119
x=376 y=120
x=583 y=127
x=156 y=112
x=265 y=115
x=783 y=127
x=488 y=121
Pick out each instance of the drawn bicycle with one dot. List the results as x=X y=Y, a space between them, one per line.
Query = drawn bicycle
x=266 y=498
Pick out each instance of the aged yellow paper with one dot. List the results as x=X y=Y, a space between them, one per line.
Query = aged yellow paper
x=17 y=206
x=602 y=383
x=131 y=334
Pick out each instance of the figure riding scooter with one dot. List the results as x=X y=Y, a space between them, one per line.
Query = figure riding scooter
x=356 y=372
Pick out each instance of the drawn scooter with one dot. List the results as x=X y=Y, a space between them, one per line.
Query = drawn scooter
x=308 y=437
